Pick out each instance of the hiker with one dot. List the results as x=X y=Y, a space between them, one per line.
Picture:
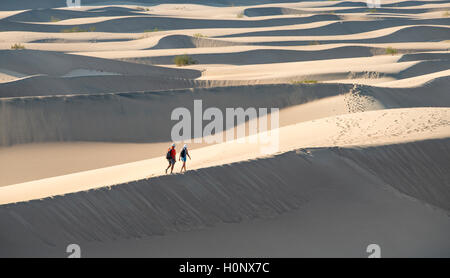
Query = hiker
x=183 y=154
x=171 y=157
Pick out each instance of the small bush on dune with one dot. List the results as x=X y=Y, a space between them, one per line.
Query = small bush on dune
x=17 y=46
x=446 y=13
x=391 y=51
x=304 y=82
x=151 y=30
x=199 y=35
x=77 y=29
x=314 y=43
x=142 y=9
x=72 y=30
x=146 y=35
x=240 y=15
x=184 y=60
x=54 y=19
x=371 y=11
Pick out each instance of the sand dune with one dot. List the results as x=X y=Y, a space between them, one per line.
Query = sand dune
x=180 y=41
x=103 y=154
x=367 y=128
x=44 y=160
x=363 y=146
x=106 y=117
x=86 y=37
x=96 y=119
x=198 y=201
x=267 y=56
x=414 y=81
x=57 y=64
x=55 y=15
x=65 y=41
x=81 y=41
x=407 y=34
x=273 y=11
x=138 y=24
x=424 y=67
x=8 y=75
x=57 y=4
x=425 y=56
x=370 y=70
x=85 y=82
x=252 y=12
x=395 y=4
x=393 y=171
x=57 y=73
x=347 y=27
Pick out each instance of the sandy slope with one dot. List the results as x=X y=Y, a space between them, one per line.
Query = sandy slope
x=363 y=147
x=43 y=160
x=367 y=128
x=311 y=187
x=99 y=120
x=106 y=117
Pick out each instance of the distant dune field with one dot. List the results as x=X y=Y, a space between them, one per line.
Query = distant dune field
x=86 y=102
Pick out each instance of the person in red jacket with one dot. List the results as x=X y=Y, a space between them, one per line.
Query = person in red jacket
x=171 y=157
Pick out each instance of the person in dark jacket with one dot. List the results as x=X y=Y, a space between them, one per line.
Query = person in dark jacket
x=184 y=153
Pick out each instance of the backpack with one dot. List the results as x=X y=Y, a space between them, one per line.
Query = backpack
x=169 y=154
x=183 y=153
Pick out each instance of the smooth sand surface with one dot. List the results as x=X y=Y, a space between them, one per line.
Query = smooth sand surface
x=356 y=129
x=363 y=139
x=300 y=203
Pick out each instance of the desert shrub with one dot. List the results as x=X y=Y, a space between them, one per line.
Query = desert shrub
x=146 y=35
x=240 y=15
x=54 y=19
x=77 y=29
x=72 y=30
x=151 y=30
x=17 y=46
x=446 y=13
x=199 y=35
x=314 y=43
x=304 y=82
x=142 y=9
x=371 y=10
x=391 y=51
x=184 y=60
